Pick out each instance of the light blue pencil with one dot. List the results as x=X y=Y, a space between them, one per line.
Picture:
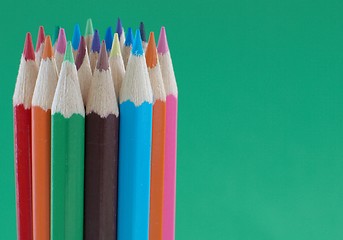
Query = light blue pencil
x=135 y=148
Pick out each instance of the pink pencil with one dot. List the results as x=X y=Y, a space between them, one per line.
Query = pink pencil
x=168 y=219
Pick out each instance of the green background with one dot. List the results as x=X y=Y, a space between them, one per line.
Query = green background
x=260 y=148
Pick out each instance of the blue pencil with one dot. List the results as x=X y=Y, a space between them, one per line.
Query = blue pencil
x=135 y=148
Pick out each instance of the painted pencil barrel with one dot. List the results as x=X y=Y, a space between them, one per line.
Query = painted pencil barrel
x=67 y=173
x=101 y=177
x=170 y=169
x=157 y=170
x=41 y=173
x=134 y=171
x=23 y=161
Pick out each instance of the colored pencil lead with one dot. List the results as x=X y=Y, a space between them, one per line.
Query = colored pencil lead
x=109 y=38
x=29 y=52
x=89 y=28
x=117 y=64
x=96 y=42
x=81 y=53
x=142 y=30
x=129 y=37
x=68 y=56
x=115 y=50
x=76 y=37
x=151 y=52
x=119 y=29
x=102 y=63
x=40 y=38
x=137 y=48
x=162 y=47
x=48 y=49
x=61 y=42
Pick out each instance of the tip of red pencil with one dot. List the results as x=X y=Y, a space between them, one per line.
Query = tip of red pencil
x=151 y=52
x=48 y=49
x=29 y=52
x=40 y=37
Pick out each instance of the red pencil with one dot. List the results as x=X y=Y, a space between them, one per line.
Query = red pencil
x=23 y=92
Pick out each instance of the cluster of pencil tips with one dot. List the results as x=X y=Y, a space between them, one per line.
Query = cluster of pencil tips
x=95 y=126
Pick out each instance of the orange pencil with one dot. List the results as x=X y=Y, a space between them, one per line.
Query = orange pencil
x=41 y=112
x=158 y=141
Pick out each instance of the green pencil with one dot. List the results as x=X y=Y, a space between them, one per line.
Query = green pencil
x=67 y=154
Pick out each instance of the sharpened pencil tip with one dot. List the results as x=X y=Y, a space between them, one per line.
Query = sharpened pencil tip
x=29 y=52
x=96 y=42
x=40 y=37
x=48 y=51
x=61 y=42
x=80 y=53
x=119 y=29
x=137 y=48
x=142 y=30
x=102 y=63
x=76 y=37
x=129 y=37
x=151 y=52
x=89 y=27
x=109 y=38
x=68 y=56
x=115 y=51
x=162 y=47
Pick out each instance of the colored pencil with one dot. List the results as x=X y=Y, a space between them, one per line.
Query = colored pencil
x=55 y=37
x=158 y=140
x=116 y=65
x=171 y=137
x=109 y=39
x=84 y=71
x=60 y=49
x=135 y=148
x=121 y=34
x=89 y=34
x=67 y=154
x=143 y=36
x=41 y=119
x=39 y=45
x=22 y=96
x=127 y=46
x=101 y=154
x=75 y=42
x=94 y=53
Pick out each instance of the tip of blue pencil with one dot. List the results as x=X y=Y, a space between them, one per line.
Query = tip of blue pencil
x=75 y=42
x=129 y=37
x=109 y=38
x=96 y=42
x=137 y=48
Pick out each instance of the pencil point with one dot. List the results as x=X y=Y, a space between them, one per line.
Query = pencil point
x=89 y=27
x=40 y=38
x=129 y=37
x=162 y=42
x=142 y=30
x=29 y=52
x=115 y=51
x=103 y=58
x=109 y=38
x=48 y=51
x=57 y=30
x=80 y=53
x=96 y=42
x=119 y=29
x=68 y=56
x=76 y=37
x=137 y=48
x=151 y=52
x=61 y=42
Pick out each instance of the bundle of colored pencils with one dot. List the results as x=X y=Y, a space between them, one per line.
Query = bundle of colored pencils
x=95 y=129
